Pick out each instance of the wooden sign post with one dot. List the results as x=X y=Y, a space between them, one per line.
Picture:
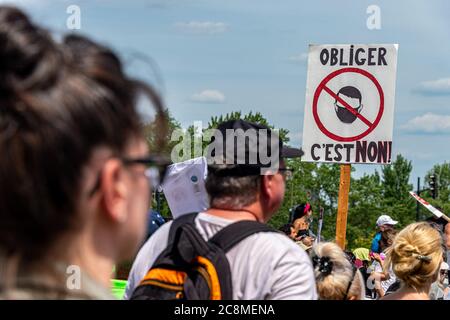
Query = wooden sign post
x=344 y=188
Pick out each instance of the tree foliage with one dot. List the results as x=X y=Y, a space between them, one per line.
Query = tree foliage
x=442 y=173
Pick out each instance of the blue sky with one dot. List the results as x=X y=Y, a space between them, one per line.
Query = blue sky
x=220 y=56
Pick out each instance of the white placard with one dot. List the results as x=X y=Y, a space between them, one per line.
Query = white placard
x=184 y=187
x=349 y=105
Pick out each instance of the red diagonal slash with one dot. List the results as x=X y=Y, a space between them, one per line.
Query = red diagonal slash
x=347 y=106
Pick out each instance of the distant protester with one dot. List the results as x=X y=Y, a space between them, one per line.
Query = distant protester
x=301 y=217
x=381 y=277
x=440 y=289
x=443 y=227
x=384 y=222
x=362 y=262
x=155 y=221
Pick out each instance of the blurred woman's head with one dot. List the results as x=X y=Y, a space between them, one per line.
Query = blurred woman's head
x=69 y=135
x=387 y=238
x=336 y=277
x=301 y=210
x=416 y=255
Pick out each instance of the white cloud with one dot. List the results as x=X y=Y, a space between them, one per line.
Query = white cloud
x=199 y=27
x=24 y=3
x=300 y=58
x=429 y=123
x=208 y=96
x=435 y=87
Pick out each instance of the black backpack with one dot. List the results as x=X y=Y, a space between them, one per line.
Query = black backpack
x=191 y=268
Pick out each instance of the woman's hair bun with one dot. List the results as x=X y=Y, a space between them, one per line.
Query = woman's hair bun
x=416 y=254
x=27 y=56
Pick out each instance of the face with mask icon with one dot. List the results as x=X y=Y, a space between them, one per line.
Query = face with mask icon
x=352 y=96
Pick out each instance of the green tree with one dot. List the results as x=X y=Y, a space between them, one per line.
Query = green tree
x=152 y=132
x=397 y=201
x=365 y=205
x=158 y=200
x=442 y=173
x=396 y=179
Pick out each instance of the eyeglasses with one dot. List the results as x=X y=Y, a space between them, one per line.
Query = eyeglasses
x=155 y=173
x=286 y=172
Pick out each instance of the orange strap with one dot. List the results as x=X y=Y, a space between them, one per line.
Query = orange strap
x=215 y=284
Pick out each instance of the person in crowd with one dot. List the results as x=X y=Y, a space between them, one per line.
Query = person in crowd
x=301 y=217
x=336 y=277
x=415 y=258
x=350 y=257
x=361 y=257
x=300 y=236
x=384 y=222
x=155 y=221
x=442 y=225
x=381 y=277
x=447 y=240
x=265 y=265
x=299 y=211
x=438 y=223
x=362 y=262
x=288 y=230
x=74 y=175
x=440 y=288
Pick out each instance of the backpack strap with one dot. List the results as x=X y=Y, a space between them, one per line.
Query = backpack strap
x=178 y=222
x=232 y=234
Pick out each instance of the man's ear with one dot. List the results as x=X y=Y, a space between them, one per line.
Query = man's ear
x=269 y=196
x=266 y=185
x=114 y=191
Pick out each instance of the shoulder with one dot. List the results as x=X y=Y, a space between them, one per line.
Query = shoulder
x=283 y=270
x=147 y=256
x=275 y=245
x=157 y=242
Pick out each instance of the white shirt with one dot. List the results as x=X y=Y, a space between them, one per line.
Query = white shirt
x=264 y=266
x=386 y=283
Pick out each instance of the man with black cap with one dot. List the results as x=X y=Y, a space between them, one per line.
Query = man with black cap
x=246 y=181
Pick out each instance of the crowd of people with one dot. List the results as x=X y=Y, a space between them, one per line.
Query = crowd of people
x=76 y=177
x=412 y=263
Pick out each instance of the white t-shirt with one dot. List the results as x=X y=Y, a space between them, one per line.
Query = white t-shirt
x=387 y=283
x=264 y=266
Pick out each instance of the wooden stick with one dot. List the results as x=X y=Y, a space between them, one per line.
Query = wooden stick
x=341 y=221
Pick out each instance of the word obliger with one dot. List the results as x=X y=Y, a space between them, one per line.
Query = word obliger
x=353 y=56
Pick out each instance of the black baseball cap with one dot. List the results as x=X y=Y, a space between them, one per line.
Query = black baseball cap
x=239 y=147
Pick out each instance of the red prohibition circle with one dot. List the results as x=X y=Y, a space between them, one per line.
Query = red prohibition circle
x=321 y=87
